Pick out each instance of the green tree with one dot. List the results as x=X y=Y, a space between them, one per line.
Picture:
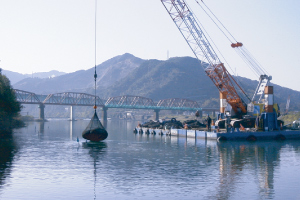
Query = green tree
x=9 y=106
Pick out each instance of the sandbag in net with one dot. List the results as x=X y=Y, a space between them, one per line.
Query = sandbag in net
x=95 y=131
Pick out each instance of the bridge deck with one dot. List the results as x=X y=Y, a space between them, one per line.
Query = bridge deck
x=125 y=102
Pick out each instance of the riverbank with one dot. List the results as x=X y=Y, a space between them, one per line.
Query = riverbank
x=7 y=125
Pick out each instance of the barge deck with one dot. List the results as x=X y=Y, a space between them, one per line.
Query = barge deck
x=222 y=135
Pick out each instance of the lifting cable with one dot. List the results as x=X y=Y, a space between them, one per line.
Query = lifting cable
x=253 y=58
x=248 y=62
x=95 y=131
x=226 y=35
x=251 y=61
x=241 y=50
x=211 y=40
x=95 y=75
x=215 y=22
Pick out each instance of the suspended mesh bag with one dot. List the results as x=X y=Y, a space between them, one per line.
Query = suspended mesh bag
x=95 y=131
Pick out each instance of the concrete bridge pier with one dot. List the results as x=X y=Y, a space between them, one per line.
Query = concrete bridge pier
x=156 y=114
x=72 y=108
x=42 y=112
x=71 y=129
x=104 y=116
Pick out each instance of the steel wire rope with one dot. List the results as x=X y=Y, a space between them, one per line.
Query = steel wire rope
x=251 y=62
x=219 y=21
x=250 y=57
x=226 y=37
x=239 y=83
x=224 y=60
x=219 y=29
x=247 y=62
x=215 y=22
x=246 y=53
x=238 y=52
x=95 y=75
x=211 y=41
x=216 y=45
x=256 y=61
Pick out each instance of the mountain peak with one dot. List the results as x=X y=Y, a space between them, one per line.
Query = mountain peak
x=120 y=58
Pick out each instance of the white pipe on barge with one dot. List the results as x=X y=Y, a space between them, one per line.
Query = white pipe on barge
x=237 y=135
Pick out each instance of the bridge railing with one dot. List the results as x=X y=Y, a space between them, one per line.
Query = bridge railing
x=27 y=97
x=73 y=98
x=126 y=101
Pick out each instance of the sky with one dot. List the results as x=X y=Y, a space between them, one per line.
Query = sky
x=44 y=35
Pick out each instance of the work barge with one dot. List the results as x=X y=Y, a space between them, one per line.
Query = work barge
x=241 y=117
x=223 y=135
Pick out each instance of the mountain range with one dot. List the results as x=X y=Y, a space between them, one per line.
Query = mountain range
x=16 y=77
x=178 y=77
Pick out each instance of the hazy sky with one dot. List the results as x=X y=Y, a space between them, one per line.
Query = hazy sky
x=44 y=35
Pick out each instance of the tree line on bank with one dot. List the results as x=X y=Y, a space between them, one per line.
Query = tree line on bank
x=9 y=107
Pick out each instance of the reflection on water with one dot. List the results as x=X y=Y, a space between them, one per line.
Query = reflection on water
x=7 y=151
x=52 y=164
x=42 y=127
x=236 y=157
x=96 y=149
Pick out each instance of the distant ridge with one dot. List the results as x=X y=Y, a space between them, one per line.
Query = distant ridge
x=178 y=77
x=108 y=72
x=16 y=77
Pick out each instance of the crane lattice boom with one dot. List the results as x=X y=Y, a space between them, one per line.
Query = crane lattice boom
x=194 y=36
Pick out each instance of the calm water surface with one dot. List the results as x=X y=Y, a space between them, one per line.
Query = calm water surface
x=45 y=161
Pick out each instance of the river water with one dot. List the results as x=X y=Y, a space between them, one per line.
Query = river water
x=45 y=161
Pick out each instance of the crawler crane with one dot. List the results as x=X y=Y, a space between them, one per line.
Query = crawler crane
x=240 y=113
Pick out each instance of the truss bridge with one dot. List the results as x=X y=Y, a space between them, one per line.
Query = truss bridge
x=122 y=102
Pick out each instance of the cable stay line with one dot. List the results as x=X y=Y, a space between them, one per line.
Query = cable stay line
x=216 y=23
x=95 y=131
x=215 y=46
x=95 y=74
x=220 y=53
x=260 y=66
x=248 y=62
x=212 y=41
x=245 y=55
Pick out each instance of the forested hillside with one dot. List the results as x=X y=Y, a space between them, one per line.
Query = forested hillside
x=183 y=77
x=81 y=81
x=180 y=77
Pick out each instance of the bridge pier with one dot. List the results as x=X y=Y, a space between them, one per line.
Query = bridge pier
x=104 y=116
x=42 y=111
x=156 y=114
x=72 y=113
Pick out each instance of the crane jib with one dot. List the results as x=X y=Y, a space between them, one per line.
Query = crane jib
x=192 y=32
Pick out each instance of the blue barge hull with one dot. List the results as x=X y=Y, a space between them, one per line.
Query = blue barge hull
x=214 y=135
